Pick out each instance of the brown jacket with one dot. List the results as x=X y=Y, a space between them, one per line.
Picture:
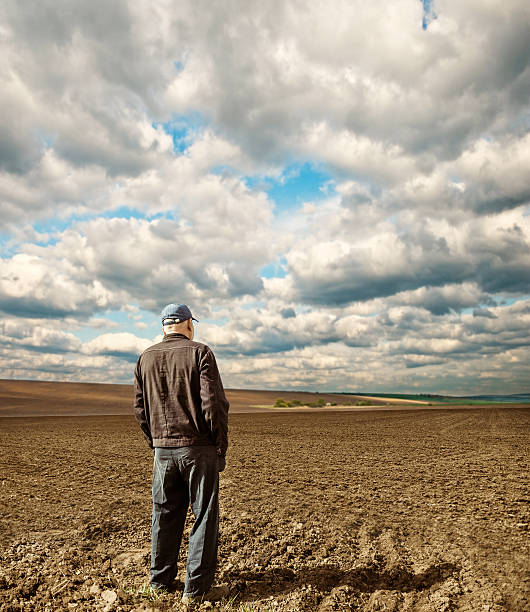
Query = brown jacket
x=179 y=398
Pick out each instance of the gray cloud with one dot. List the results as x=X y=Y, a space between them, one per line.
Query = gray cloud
x=444 y=299
x=347 y=258
x=483 y=312
x=83 y=78
x=288 y=313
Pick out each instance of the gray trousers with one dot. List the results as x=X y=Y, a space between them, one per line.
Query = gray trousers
x=182 y=477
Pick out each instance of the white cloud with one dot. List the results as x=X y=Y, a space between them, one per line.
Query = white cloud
x=366 y=67
x=122 y=344
x=105 y=263
x=354 y=256
x=440 y=300
x=422 y=134
x=487 y=178
x=52 y=186
x=401 y=348
x=38 y=335
x=356 y=154
x=41 y=285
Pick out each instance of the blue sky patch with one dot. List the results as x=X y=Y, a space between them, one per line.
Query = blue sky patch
x=125 y=323
x=505 y=300
x=277 y=269
x=297 y=184
x=59 y=225
x=428 y=13
x=183 y=130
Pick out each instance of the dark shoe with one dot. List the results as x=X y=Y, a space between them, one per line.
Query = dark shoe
x=214 y=594
x=177 y=585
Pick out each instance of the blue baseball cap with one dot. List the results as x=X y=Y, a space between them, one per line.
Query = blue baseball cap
x=176 y=313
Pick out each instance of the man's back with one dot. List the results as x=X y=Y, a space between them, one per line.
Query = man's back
x=179 y=394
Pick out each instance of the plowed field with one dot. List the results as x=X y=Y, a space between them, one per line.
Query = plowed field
x=401 y=510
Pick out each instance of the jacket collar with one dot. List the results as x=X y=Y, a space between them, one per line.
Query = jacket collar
x=173 y=335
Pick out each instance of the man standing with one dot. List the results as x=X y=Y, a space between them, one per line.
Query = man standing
x=181 y=407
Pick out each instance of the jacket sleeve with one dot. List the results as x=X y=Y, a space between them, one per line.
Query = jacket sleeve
x=213 y=400
x=141 y=411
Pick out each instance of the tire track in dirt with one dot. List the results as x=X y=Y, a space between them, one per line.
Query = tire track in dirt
x=459 y=422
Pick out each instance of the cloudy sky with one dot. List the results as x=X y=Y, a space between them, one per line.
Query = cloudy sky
x=339 y=190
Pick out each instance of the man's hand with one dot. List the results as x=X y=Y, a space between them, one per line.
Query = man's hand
x=221 y=463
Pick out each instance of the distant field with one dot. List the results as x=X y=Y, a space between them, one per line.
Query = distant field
x=36 y=398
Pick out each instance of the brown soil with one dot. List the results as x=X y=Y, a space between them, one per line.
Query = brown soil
x=400 y=510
